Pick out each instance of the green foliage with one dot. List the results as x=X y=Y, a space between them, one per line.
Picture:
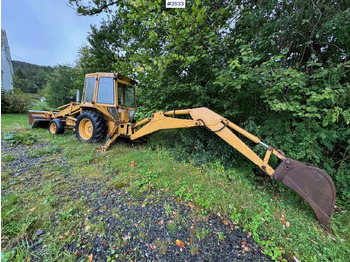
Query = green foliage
x=26 y=139
x=7 y=157
x=49 y=150
x=64 y=215
x=13 y=103
x=9 y=214
x=62 y=83
x=30 y=78
x=342 y=181
x=7 y=256
x=88 y=157
x=279 y=69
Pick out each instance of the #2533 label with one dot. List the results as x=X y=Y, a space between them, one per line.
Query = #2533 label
x=175 y=3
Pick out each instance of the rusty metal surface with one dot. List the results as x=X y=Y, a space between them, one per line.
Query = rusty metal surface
x=38 y=118
x=312 y=184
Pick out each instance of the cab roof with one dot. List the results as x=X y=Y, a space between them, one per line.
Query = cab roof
x=105 y=74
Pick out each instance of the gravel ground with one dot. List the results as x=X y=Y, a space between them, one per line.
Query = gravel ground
x=153 y=226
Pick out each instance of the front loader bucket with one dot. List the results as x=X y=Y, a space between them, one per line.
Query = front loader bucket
x=38 y=118
x=312 y=184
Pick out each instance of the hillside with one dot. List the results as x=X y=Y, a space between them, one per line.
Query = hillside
x=29 y=66
x=30 y=78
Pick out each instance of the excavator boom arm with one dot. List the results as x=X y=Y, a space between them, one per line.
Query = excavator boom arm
x=311 y=183
x=212 y=121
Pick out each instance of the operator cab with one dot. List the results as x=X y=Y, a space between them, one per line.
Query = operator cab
x=112 y=90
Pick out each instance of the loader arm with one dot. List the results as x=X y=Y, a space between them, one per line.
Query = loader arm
x=311 y=183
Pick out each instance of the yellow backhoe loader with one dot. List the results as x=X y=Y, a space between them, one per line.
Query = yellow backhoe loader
x=107 y=110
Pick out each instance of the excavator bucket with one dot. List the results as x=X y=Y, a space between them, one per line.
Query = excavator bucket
x=312 y=184
x=38 y=118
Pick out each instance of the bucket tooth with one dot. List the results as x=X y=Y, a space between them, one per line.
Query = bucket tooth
x=312 y=184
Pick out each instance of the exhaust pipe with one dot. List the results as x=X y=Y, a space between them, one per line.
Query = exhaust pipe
x=78 y=96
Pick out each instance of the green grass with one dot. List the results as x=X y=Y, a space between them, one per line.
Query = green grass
x=14 y=123
x=235 y=193
x=32 y=96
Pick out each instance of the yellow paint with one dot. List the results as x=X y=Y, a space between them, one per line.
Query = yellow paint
x=212 y=120
x=86 y=129
x=53 y=128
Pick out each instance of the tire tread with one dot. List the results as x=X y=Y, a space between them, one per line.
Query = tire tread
x=99 y=124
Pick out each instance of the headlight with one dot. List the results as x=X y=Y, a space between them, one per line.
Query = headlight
x=113 y=112
x=131 y=115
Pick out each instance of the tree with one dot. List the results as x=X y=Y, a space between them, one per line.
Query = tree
x=21 y=84
x=61 y=86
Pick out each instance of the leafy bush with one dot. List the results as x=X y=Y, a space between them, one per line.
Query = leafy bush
x=342 y=184
x=26 y=139
x=13 y=103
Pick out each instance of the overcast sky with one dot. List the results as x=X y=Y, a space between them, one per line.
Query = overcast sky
x=44 y=32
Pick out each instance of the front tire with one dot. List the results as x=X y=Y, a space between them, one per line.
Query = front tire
x=56 y=127
x=90 y=127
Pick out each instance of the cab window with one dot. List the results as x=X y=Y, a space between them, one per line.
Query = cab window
x=105 y=93
x=89 y=89
x=126 y=95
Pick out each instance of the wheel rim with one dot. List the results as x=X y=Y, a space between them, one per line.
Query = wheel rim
x=53 y=128
x=86 y=129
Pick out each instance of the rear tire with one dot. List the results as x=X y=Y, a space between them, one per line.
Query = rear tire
x=90 y=127
x=56 y=127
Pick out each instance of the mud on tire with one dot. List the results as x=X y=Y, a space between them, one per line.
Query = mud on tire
x=90 y=127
